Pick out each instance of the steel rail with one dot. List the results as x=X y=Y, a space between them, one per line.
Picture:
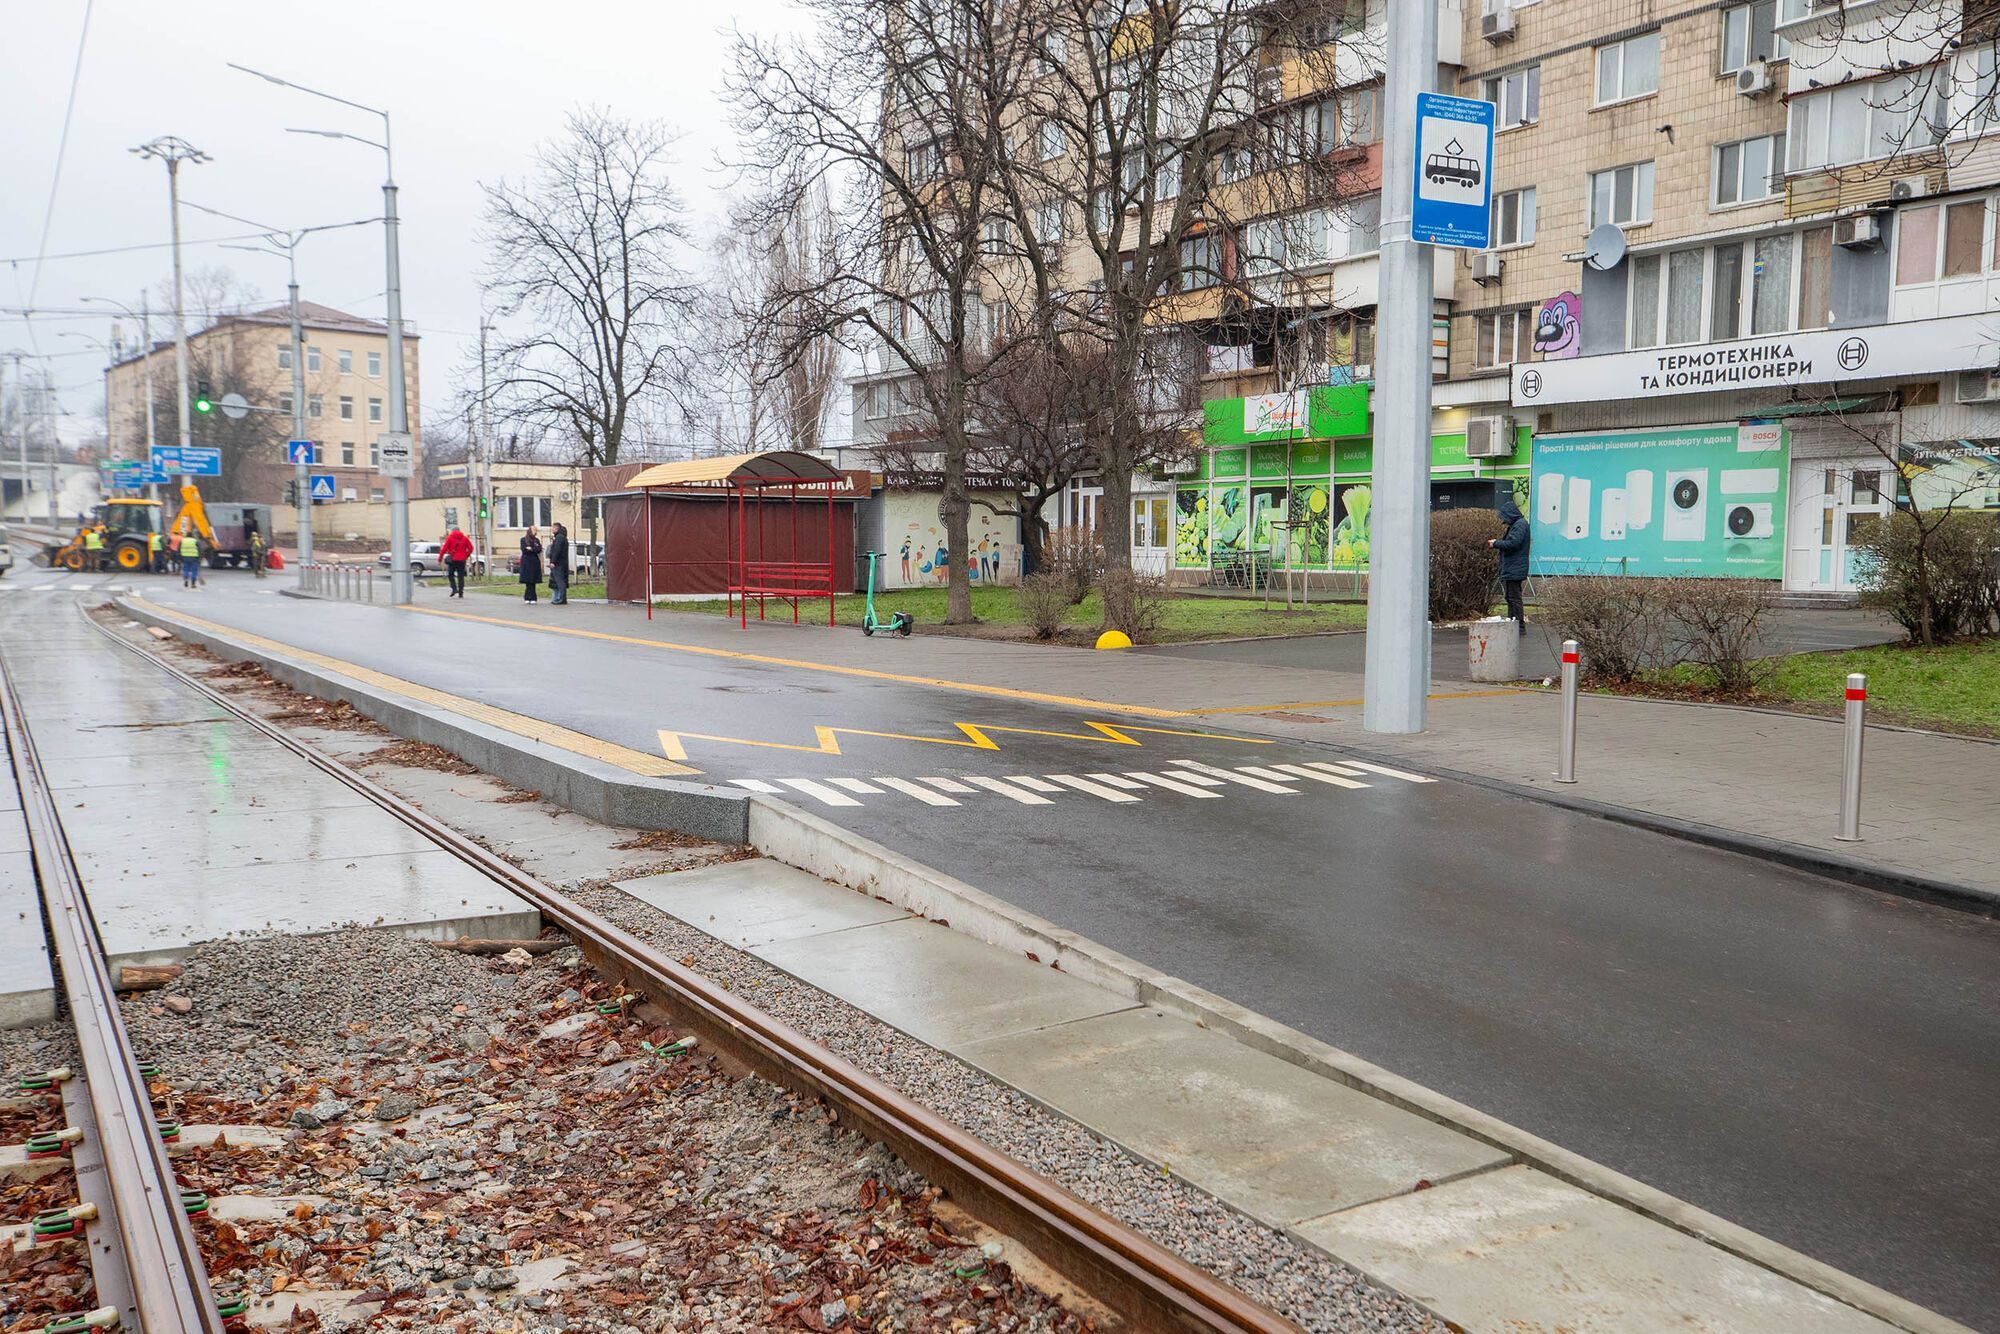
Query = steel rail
x=1145 y=1284
x=143 y=1253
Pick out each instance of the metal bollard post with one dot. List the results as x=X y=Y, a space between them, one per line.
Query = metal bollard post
x=1850 y=767
x=1566 y=754
x=371 y=585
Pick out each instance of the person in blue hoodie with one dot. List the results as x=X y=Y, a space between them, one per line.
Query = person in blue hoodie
x=1513 y=548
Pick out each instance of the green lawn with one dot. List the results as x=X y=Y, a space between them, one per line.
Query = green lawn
x=511 y=584
x=1950 y=689
x=1186 y=617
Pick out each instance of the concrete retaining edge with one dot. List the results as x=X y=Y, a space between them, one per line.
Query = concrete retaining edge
x=589 y=787
x=799 y=838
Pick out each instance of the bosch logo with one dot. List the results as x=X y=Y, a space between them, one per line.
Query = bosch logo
x=1853 y=354
x=1531 y=382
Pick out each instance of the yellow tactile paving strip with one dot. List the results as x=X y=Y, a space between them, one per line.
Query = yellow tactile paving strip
x=534 y=729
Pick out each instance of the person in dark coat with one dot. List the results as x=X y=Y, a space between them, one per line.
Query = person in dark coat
x=559 y=565
x=531 y=563
x=1513 y=548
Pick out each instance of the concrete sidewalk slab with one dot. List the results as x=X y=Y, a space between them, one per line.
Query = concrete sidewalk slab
x=756 y=902
x=27 y=984
x=1519 y=1250
x=1416 y=1204
x=1279 y=1142
x=230 y=839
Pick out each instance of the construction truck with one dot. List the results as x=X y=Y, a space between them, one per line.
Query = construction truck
x=226 y=527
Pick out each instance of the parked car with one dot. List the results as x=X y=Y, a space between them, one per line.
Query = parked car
x=428 y=558
x=6 y=553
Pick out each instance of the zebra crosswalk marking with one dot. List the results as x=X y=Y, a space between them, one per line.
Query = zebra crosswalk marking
x=1335 y=780
x=1094 y=789
x=1032 y=783
x=951 y=785
x=1007 y=789
x=1258 y=771
x=1175 y=785
x=820 y=791
x=909 y=789
x=1387 y=772
x=856 y=785
x=756 y=785
x=1261 y=784
x=1113 y=780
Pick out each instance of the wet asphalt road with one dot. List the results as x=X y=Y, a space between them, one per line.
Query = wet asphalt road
x=1818 y=1063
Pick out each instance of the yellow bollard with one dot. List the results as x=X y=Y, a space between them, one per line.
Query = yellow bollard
x=1114 y=639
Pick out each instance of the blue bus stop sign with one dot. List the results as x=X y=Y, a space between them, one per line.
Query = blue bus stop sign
x=1454 y=169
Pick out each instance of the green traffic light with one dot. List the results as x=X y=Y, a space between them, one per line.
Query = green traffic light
x=203 y=405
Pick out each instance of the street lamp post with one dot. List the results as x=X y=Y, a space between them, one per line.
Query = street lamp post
x=173 y=152
x=110 y=359
x=302 y=469
x=399 y=419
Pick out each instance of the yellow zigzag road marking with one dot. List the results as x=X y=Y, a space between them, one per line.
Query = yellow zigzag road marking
x=633 y=761
x=976 y=738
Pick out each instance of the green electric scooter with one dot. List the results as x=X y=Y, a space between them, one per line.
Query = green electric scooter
x=898 y=624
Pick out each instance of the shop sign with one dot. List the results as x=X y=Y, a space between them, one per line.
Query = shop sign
x=1700 y=500
x=1320 y=412
x=1812 y=356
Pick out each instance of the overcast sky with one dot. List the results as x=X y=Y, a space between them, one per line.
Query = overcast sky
x=472 y=86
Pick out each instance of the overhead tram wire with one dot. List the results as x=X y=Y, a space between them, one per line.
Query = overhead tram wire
x=62 y=149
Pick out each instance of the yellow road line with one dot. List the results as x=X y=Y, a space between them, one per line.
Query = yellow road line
x=868 y=673
x=827 y=739
x=534 y=729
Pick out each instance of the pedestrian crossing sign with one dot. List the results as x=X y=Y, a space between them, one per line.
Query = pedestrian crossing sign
x=322 y=486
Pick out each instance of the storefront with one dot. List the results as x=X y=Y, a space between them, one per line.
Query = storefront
x=1285 y=483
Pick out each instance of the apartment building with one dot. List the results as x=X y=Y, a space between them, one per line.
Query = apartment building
x=1737 y=295
x=1742 y=254
x=347 y=396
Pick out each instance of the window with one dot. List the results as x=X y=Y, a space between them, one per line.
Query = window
x=1049 y=222
x=374 y=365
x=1815 y=278
x=347 y=453
x=1862 y=121
x=319 y=452
x=1055 y=50
x=1050 y=143
x=345 y=359
x=1339 y=19
x=1976 y=84
x=346 y=408
x=1517 y=97
x=1748 y=33
x=1360 y=115
x=1730 y=290
x=1100 y=208
x=1791 y=11
x=522 y=511
x=375 y=409
x=1748 y=171
x=1623 y=195
x=312 y=359
x=1364 y=225
x=1940 y=241
x=926 y=161
x=1201 y=261
x=1149 y=521
x=1514 y=218
x=374 y=453
x=993 y=236
x=1628 y=69
x=285 y=402
x=314 y=406
x=285 y=356
x=1296 y=241
x=1233 y=163
x=348 y=493
x=1501 y=337
x=375 y=495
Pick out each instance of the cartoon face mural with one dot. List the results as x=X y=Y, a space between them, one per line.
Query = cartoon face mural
x=1559 y=327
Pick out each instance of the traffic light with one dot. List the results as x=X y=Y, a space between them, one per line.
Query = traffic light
x=291 y=493
x=203 y=402
x=482 y=509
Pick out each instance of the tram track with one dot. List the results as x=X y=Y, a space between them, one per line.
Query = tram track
x=1145 y=1284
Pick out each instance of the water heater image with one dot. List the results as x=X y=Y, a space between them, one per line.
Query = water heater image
x=1638 y=498
x=1687 y=505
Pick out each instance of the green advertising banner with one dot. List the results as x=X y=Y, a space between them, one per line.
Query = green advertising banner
x=1694 y=500
x=1319 y=413
x=1191 y=527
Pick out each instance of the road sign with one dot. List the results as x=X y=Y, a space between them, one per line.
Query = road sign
x=1454 y=172
x=398 y=453
x=234 y=406
x=298 y=451
x=452 y=472
x=193 y=461
x=322 y=486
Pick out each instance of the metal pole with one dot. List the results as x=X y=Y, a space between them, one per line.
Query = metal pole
x=485 y=455
x=1398 y=647
x=1850 y=768
x=146 y=335
x=302 y=473
x=399 y=417
x=20 y=429
x=1566 y=753
x=49 y=443
x=180 y=313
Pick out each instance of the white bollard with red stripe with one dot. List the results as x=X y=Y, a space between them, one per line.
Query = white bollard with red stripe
x=1850 y=768
x=1566 y=754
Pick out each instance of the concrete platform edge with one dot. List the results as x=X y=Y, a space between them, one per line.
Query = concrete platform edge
x=581 y=784
x=1973 y=899
x=797 y=837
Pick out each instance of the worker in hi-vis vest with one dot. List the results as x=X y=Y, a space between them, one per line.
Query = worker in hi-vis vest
x=190 y=559
x=156 y=553
x=93 y=546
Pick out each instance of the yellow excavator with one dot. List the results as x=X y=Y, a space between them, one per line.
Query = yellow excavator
x=129 y=521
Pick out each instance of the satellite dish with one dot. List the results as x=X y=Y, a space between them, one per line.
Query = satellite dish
x=234 y=406
x=1605 y=247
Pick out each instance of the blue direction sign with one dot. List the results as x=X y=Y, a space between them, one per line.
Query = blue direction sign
x=322 y=486
x=193 y=461
x=298 y=451
x=1454 y=172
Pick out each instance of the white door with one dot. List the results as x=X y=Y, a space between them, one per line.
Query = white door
x=1835 y=504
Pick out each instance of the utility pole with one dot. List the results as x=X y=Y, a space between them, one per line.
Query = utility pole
x=485 y=455
x=20 y=427
x=173 y=152
x=302 y=473
x=1398 y=652
x=49 y=443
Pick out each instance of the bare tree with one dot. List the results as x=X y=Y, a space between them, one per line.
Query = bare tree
x=585 y=252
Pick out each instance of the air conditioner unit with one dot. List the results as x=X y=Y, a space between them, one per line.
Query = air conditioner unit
x=1754 y=79
x=1269 y=85
x=1489 y=437
x=563 y=494
x=1909 y=187
x=1487 y=268
x=1496 y=25
x=1978 y=386
x=1859 y=231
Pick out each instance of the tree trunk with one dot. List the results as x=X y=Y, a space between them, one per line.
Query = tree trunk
x=955 y=509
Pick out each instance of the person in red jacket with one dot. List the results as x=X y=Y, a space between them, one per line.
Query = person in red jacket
x=457 y=551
